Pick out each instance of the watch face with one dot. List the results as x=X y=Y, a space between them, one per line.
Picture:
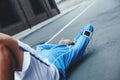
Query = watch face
x=87 y=33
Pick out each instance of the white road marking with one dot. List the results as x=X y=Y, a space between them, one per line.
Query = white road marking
x=67 y=25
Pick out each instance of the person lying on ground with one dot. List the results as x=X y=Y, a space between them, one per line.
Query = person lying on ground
x=18 y=61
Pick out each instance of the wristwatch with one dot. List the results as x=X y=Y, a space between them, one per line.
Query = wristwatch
x=87 y=33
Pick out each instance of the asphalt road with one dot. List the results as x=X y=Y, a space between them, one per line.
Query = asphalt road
x=102 y=56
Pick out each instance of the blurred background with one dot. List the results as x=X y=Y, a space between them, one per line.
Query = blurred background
x=19 y=15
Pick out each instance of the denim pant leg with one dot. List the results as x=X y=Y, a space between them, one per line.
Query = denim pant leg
x=75 y=52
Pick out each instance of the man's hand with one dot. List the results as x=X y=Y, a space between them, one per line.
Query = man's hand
x=66 y=42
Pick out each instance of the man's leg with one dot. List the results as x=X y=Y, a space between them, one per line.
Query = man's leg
x=74 y=53
x=80 y=46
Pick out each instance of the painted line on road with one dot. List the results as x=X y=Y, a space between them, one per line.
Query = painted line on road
x=68 y=24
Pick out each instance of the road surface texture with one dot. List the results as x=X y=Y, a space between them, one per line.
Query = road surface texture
x=102 y=57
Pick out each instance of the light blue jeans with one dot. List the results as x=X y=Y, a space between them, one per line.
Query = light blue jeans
x=62 y=56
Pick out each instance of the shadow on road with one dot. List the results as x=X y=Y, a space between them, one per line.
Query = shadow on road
x=90 y=52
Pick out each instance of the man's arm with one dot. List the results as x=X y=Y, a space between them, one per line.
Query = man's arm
x=8 y=41
x=11 y=58
x=12 y=44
